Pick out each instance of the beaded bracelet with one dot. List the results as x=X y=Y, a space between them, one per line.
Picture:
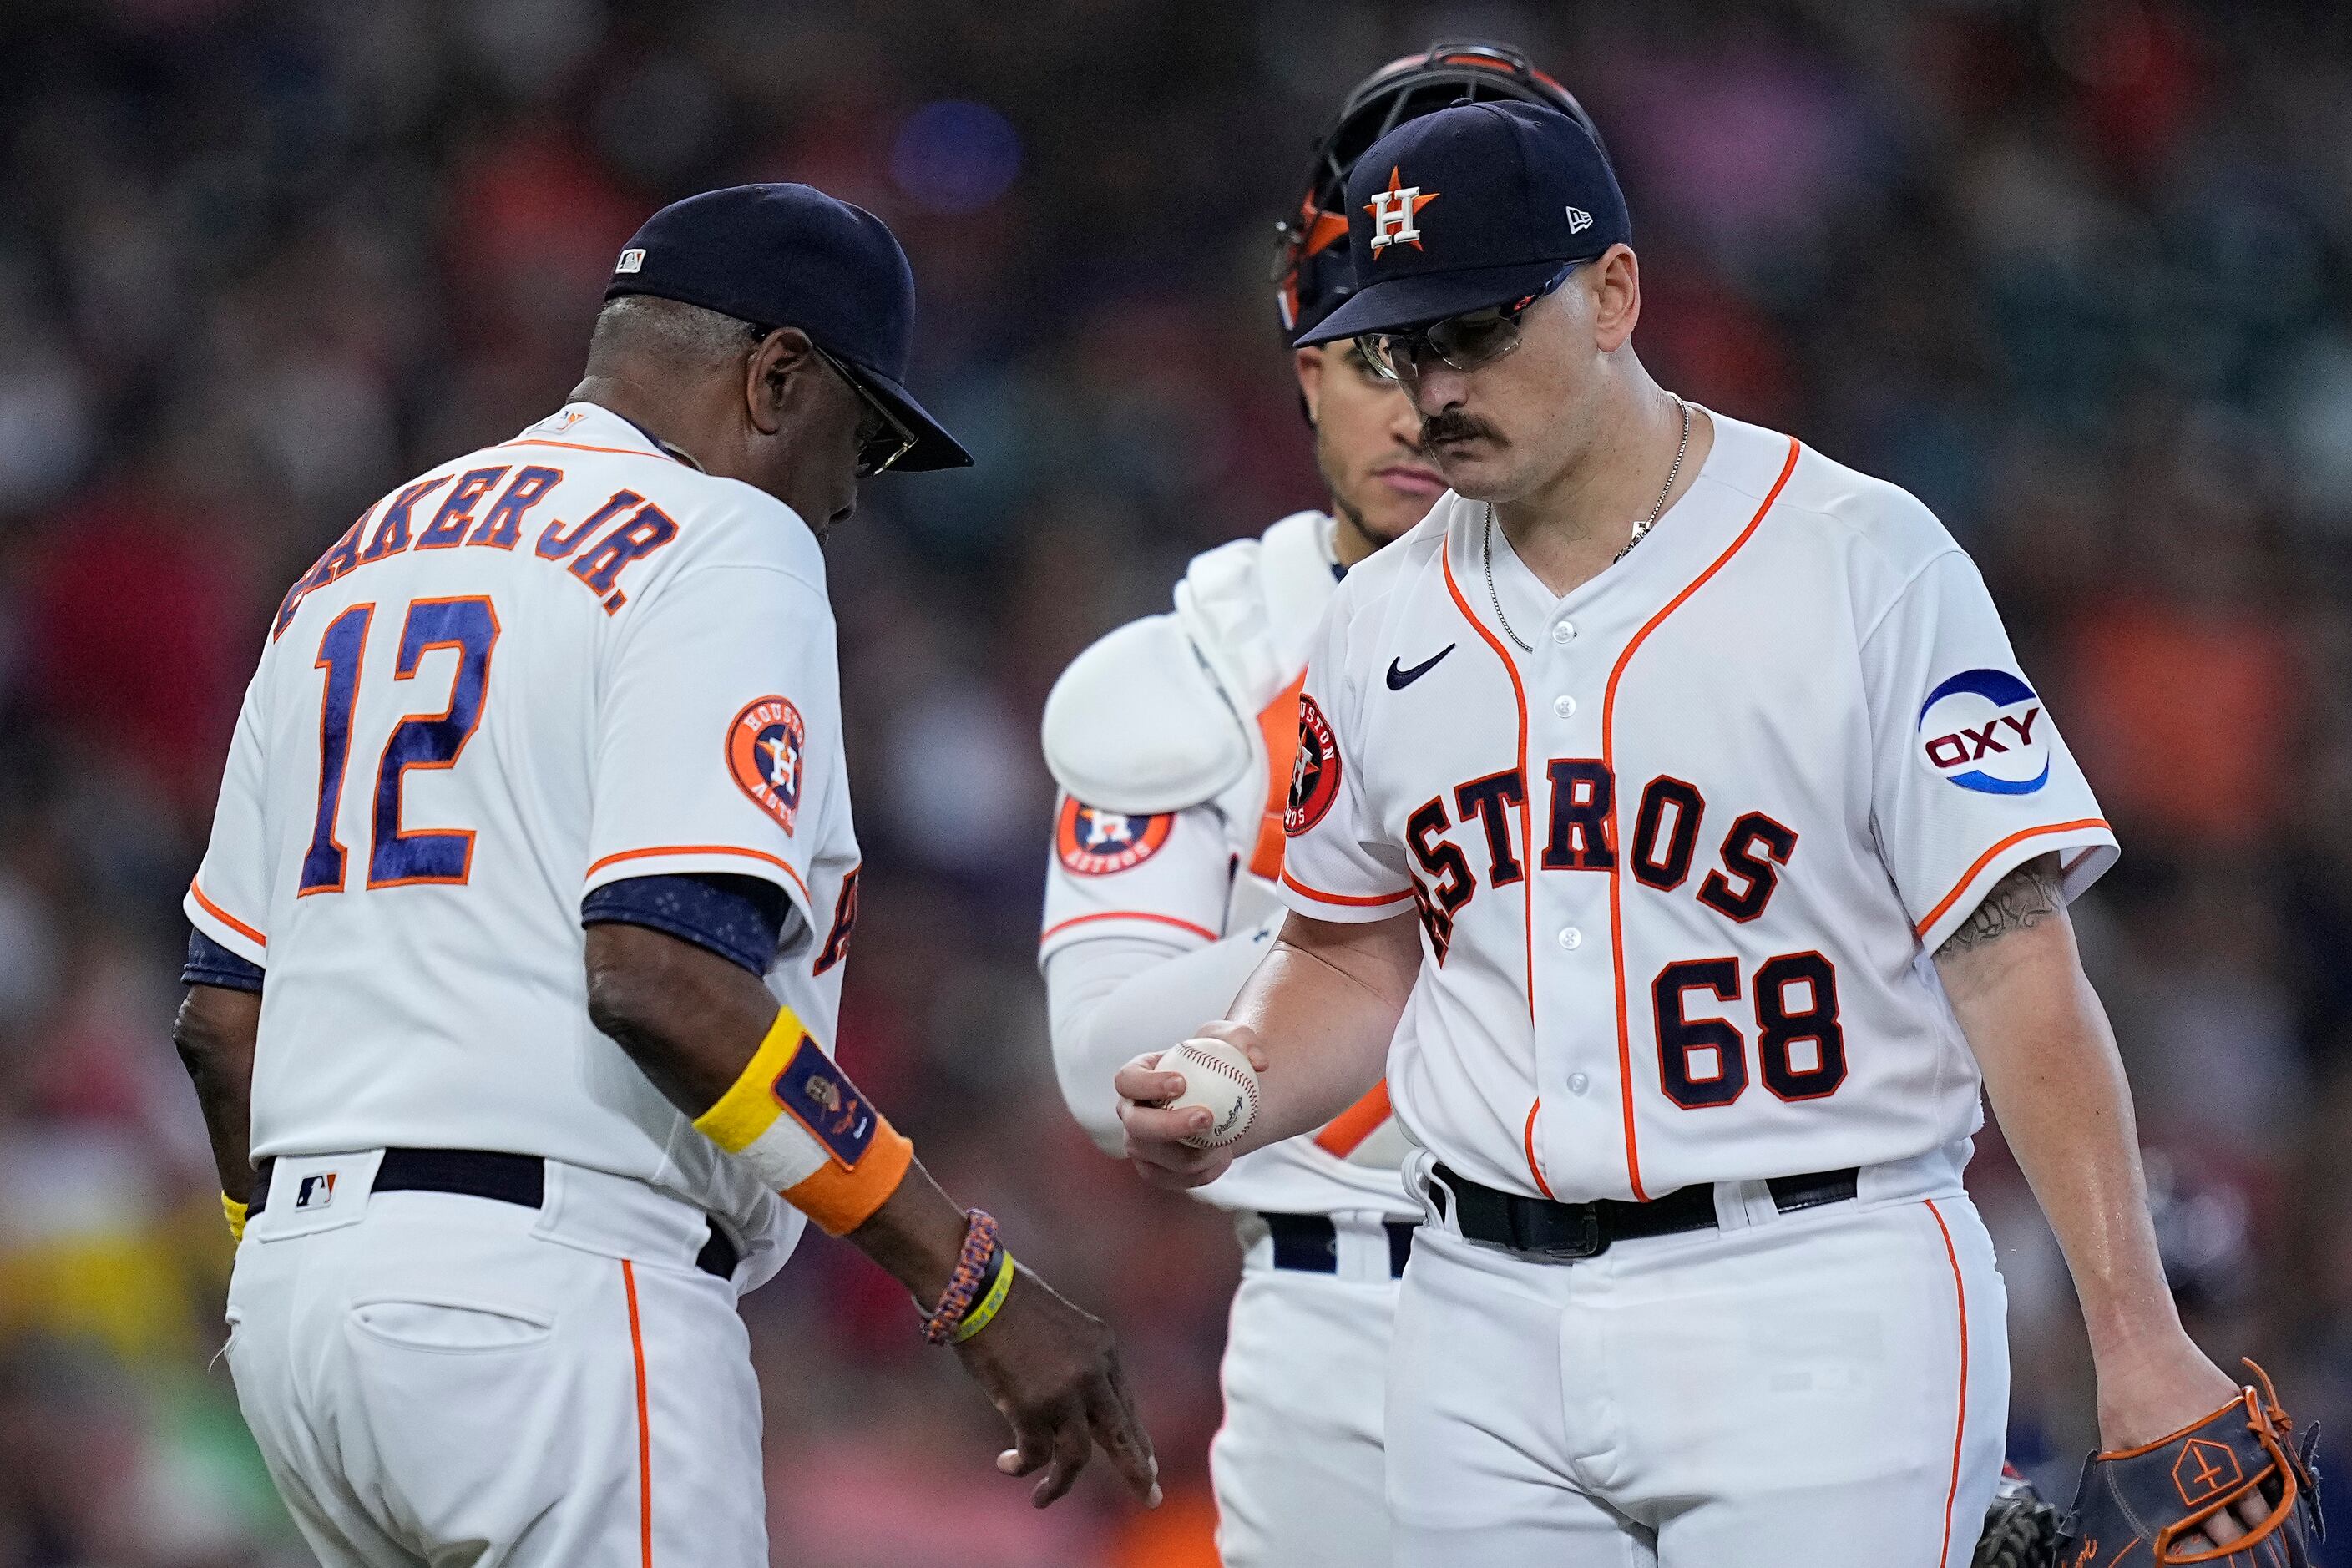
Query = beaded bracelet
x=970 y=1278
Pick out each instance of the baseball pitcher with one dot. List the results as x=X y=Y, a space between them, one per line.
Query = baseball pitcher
x=1672 y=797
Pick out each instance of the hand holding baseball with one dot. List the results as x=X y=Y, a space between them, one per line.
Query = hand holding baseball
x=1184 y=1109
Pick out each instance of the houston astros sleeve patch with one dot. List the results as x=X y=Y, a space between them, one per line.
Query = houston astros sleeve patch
x=1315 y=776
x=1093 y=842
x=765 y=751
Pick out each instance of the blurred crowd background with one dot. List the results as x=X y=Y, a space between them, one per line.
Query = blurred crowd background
x=2076 y=273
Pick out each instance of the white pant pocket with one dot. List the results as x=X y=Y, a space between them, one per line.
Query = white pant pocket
x=451 y=1327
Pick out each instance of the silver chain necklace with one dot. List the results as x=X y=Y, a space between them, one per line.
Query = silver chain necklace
x=1641 y=529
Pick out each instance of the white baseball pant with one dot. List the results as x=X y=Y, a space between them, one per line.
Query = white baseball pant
x=437 y=1379
x=1297 y=1465
x=1827 y=1387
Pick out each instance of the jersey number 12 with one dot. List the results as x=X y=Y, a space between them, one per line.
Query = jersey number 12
x=397 y=858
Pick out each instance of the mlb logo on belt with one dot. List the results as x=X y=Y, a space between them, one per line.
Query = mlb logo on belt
x=315 y=1192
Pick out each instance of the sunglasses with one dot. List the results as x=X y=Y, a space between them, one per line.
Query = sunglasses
x=1466 y=341
x=882 y=436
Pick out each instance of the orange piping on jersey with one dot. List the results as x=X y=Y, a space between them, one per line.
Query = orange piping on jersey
x=1296 y=886
x=777 y=862
x=1987 y=857
x=1060 y=926
x=582 y=447
x=1348 y=1130
x=1528 y=1139
x=1527 y=785
x=1278 y=723
x=1609 y=763
x=645 y=1422
x=1961 y=1422
x=225 y=918
x=1527 y=836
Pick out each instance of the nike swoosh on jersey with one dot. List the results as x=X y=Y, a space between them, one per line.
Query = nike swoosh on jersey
x=1401 y=679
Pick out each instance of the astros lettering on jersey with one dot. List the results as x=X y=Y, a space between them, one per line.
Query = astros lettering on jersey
x=558 y=662
x=1679 y=867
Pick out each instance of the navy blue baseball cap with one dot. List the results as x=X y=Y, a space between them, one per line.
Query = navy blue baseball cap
x=1475 y=206
x=791 y=256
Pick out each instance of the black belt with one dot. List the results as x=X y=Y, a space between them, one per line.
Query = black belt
x=519 y=1179
x=1310 y=1243
x=1570 y=1231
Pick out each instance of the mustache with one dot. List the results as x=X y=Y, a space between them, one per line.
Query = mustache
x=1453 y=424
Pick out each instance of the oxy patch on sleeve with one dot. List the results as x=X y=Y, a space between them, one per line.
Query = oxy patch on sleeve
x=820 y=1096
x=1981 y=730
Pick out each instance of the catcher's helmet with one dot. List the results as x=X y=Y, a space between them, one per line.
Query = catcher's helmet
x=1311 y=272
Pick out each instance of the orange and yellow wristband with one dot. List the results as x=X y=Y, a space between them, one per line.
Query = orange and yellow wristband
x=235 y=1212
x=810 y=1133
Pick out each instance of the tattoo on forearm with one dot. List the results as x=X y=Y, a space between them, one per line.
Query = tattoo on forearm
x=2019 y=902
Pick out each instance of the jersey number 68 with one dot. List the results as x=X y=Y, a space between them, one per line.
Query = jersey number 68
x=1799 y=1044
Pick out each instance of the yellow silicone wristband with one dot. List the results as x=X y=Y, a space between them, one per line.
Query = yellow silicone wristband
x=984 y=1310
x=235 y=1212
x=747 y=1108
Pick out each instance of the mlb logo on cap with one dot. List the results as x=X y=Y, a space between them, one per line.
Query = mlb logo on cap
x=631 y=259
x=1472 y=206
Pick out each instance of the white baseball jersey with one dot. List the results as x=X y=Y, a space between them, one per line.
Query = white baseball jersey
x=1172 y=739
x=1680 y=866
x=552 y=664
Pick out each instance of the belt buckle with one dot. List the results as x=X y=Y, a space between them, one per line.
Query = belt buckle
x=1585 y=1242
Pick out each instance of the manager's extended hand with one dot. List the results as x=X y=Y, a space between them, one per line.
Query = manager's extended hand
x=1053 y=1371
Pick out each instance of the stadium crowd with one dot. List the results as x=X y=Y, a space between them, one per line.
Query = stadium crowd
x=2078 y=273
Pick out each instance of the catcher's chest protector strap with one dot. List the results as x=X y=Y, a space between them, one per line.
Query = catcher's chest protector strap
x=2160 y=1496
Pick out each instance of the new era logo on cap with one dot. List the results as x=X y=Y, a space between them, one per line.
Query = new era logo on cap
x=630 y=261
x=1578 y=220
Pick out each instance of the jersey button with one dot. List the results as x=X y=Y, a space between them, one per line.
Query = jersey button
x=1564 y=706
x=1570 y=938
x=1564 y=632
x=1577 y=1083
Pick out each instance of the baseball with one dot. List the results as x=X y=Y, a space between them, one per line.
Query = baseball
x=1219 y=1077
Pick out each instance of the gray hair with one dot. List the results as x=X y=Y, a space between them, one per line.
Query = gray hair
x=645 y=324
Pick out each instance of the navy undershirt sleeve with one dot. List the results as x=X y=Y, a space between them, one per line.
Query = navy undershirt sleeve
x=741 y=919
x=210 y=964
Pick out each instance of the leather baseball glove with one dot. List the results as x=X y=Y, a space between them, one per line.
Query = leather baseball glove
x=2021 y=1530
x=2160 y=1496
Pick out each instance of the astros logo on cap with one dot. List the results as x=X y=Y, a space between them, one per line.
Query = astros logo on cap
x=1394 y=211
x=764 y=754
